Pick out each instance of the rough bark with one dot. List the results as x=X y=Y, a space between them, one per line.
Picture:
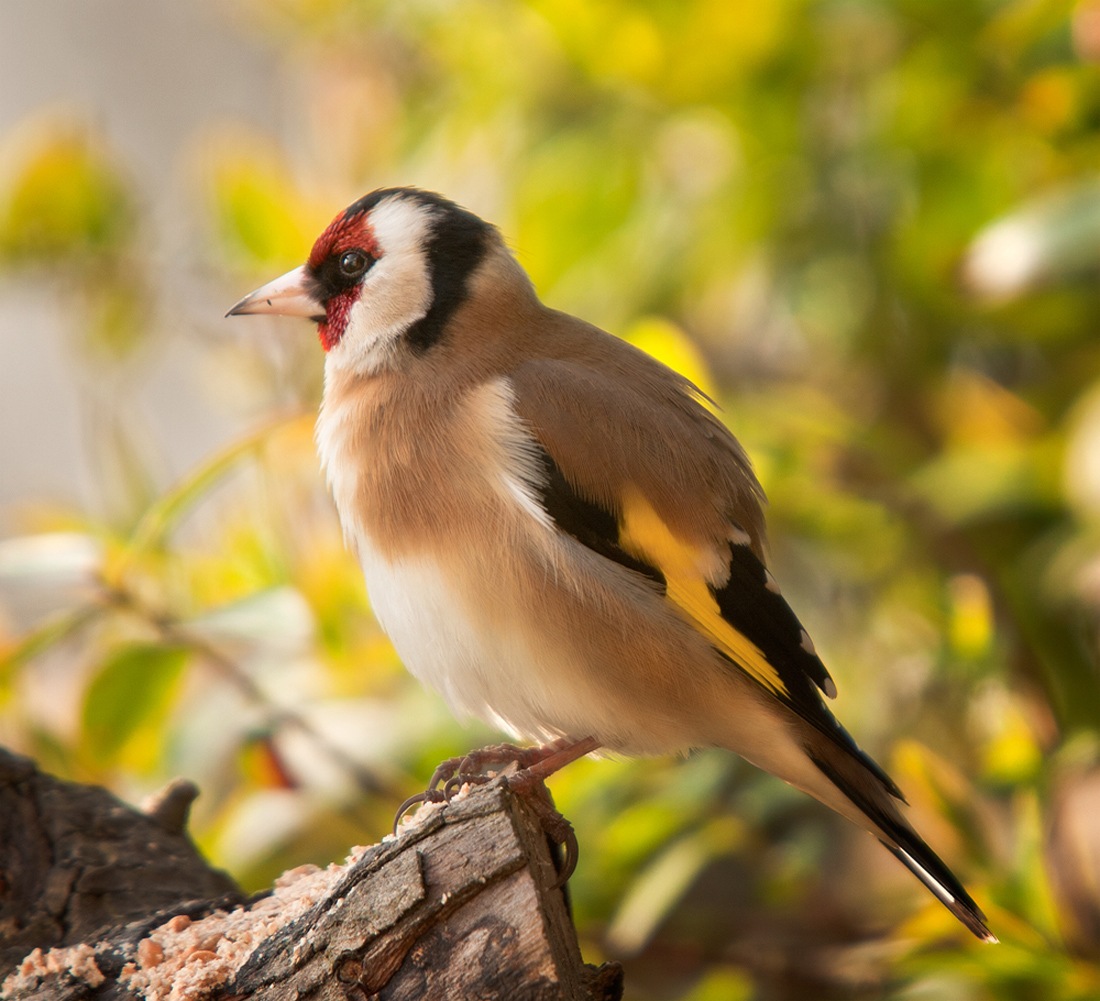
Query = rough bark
x=74 y=859
x=460 y=906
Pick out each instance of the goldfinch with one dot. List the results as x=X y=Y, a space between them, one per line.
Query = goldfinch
x=557 y=535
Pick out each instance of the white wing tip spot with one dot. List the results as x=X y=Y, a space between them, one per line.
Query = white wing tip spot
x=807 y=644
x=739 y=537
x=770 y=583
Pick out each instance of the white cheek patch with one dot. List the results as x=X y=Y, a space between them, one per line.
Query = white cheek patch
x=397 y=290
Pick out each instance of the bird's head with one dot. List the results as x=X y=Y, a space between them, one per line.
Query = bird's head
x=386 y=275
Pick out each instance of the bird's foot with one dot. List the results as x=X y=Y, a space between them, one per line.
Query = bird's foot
x=534 y=764
x=453 y=773
x=443 y=771
x=470 y=769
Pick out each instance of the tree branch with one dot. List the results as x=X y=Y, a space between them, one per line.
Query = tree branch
x=459 y=906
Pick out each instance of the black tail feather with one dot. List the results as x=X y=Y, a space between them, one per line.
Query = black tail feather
x=909 y=848
x=932 y=872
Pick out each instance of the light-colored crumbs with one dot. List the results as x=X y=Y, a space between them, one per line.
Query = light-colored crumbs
x=149 y=954
x=78 y=960
x=184 y=960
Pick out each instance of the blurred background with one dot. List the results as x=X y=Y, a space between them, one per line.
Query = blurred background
x=870 y=229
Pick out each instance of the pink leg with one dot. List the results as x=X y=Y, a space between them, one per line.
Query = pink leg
x=560 y=754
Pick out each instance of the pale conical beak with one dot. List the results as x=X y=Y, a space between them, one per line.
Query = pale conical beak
x=287 y=295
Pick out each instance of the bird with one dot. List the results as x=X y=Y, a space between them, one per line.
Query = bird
x=556 y=531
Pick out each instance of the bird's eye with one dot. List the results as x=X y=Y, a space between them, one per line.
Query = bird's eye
x=353 y=263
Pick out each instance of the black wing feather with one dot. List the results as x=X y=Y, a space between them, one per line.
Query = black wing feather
x=591 y=524
x=763 y=615
x=748 y=604
x=744 y=600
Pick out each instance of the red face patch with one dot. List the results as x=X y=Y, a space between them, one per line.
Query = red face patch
x=344 y=233
x=337 y=311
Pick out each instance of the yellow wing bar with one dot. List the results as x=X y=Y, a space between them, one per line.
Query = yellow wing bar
x=645 y=536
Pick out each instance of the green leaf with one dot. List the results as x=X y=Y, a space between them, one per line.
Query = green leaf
x=132 y=687
x=662 y=883
x=723 y=983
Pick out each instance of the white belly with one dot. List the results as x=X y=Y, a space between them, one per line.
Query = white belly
x=486 y=676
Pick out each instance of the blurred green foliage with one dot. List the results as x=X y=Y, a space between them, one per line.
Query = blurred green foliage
x=870 y=230
x=67 y=204
x=68 y=212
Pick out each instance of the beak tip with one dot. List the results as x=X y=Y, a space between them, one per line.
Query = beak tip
x=240 y=307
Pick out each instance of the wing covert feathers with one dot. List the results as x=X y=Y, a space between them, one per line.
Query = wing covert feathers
x=624 y=420
x=751 y=626
x=662 y=487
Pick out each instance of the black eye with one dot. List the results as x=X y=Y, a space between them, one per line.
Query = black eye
x=353 y=263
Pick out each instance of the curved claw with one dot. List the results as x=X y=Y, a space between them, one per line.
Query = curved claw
x=569 y=864
x=428 y=796
x=444 y=771
x=559 y=830
x=534 y=765
x=456 y=782
x=451 y=787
